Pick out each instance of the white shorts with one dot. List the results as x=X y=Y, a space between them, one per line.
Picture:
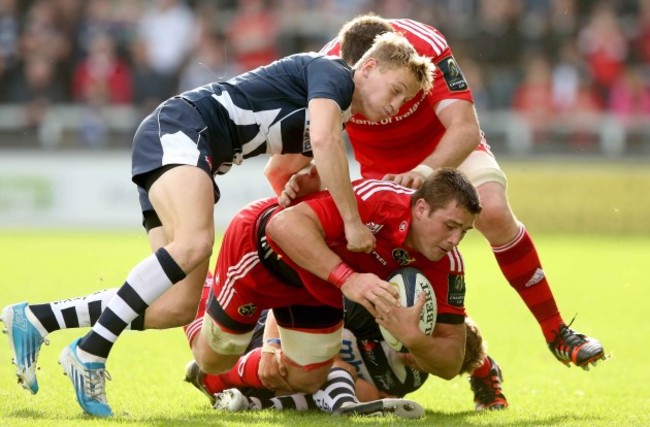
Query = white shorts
x=481 y=167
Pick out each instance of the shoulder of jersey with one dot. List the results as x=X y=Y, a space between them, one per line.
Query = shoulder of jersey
x=368 y=188
x=421 y=36
x=455 y=260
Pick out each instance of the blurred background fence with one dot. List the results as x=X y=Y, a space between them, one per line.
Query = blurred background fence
x=552 y=79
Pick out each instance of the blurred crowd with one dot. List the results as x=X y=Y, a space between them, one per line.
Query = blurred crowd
x=541 y=58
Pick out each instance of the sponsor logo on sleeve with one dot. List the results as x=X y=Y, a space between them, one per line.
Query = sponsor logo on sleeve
x=456 y=292
x=452 y=74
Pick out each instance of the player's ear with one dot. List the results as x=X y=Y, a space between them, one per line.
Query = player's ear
x=368 y=66
x=421 y=209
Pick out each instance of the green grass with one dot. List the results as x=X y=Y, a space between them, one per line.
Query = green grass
x=601 y=278
x=581 y=197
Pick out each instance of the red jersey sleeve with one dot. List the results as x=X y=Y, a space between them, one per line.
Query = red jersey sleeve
x=447 y=277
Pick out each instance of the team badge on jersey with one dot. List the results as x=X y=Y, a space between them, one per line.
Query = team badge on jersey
x=247 y=310
x=402 y=256
x=453 y=76
x=456 y=291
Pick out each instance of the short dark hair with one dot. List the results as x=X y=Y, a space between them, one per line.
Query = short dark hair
x=357 y=35
x=445 y=185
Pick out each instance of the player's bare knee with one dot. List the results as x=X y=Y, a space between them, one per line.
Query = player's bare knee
x=496 y=220
x=201 y=247
x=307 y=381
x=193 y=250
x=216 y=367
x=211 y=362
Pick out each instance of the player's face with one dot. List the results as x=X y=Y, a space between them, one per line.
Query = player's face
x=433 y=234
x=380 y=93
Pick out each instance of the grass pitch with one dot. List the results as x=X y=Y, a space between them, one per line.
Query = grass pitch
x=602 y=279
x=595 y=263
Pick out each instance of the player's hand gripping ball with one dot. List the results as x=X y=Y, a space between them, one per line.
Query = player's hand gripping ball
x=410 y=283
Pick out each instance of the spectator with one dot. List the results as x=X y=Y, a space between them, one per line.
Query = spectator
x=605 y=48
x=533 y=98
x=629 y=97
x=641 y=39
x=149 y=86
x=102 y=77
x=42 y=34
x=498 y=47
x=36 y=85
x=253 y=34
x=567 y=73
x=208 y=63
x=118 y=18
x=9 y=33
x=168 y=34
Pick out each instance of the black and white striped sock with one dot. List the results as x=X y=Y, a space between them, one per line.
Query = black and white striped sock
x=338 y=390
x=296 y=402
x=79 y=312
x=144 y=284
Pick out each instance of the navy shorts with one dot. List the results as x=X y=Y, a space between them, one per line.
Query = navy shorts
x=175 y=134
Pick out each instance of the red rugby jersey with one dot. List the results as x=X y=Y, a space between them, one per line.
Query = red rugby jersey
x=400 y=143
x=385 y=209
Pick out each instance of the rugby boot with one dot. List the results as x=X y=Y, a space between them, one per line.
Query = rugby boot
x=195 y=376
x=401 y=408
x=487 y=390
x=231 y=400
x=25 y=342
x=570 y=346
x=88 y=380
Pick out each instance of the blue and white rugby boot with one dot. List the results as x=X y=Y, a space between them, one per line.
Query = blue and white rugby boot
x=25 y=341
x=88 y=380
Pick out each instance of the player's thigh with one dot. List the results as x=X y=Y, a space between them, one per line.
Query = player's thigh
x=311 y=337
x=183 y=198
x=481 y=167
x=208 y=347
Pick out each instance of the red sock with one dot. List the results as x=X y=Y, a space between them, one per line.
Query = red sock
x=521 y=266
x=483 y=370
x=243 y=374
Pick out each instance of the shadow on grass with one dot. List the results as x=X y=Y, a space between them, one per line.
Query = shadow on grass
x=312 y=418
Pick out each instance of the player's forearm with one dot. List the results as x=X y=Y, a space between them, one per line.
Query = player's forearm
x=440 y=355
x=332 y=164
x=461 y=137
x=300 y=237
x=270 y=327
x=281 y=167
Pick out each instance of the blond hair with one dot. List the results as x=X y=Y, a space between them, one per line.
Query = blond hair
x=392 y=51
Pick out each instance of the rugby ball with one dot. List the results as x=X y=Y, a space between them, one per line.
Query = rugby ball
x=410 y=283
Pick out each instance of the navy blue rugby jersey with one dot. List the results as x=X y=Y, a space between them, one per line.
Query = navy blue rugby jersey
x=265 y=110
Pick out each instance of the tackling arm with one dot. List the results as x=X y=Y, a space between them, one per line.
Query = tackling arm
x=281 y=167
x=441 y=354
x=332 y=162
x=461 y=137
x=299 y=233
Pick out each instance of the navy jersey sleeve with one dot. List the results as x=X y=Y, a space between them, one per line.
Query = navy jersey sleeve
x=329 y=77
